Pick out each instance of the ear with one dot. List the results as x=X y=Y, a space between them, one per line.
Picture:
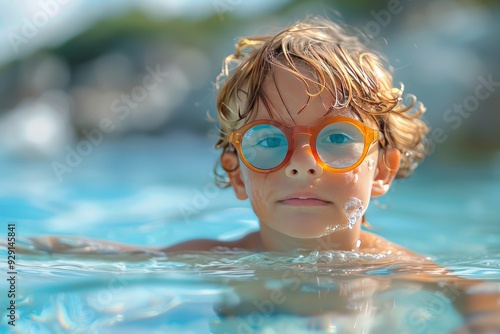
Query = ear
x=230 y=163
x=387 y=168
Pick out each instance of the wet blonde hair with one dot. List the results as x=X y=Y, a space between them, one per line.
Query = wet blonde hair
x=340 y=64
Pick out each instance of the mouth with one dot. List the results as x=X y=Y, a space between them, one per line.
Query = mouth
x=304 y=201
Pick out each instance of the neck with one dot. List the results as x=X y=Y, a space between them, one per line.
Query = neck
x=342 y=240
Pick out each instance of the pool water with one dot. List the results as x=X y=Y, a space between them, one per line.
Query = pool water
x=156 y=191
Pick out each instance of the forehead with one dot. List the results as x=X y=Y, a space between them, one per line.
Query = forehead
x=291 y=100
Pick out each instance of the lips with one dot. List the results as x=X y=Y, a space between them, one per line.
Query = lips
x=304 y=199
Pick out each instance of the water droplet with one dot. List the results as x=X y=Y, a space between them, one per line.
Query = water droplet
x=371 y=163
x=332 y=228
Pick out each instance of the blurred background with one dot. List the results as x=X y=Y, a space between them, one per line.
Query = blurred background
x=105 y=104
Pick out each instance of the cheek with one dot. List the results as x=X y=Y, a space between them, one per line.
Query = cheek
x=361 y=180
x=355 y=183
x=254 y=185
x=248 y=179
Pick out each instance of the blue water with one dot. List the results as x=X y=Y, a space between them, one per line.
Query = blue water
x=156 y=191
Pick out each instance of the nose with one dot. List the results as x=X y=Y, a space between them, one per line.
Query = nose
x=302 y=163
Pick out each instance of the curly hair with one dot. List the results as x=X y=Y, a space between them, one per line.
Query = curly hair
x=341 y=64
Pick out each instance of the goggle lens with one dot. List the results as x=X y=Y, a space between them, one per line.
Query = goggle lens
x=340 y=145
x=264 y=146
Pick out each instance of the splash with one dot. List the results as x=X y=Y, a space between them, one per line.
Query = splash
x=354 y=210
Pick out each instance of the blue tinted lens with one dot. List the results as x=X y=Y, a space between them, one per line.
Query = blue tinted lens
x=340 y=145
x=264 y=146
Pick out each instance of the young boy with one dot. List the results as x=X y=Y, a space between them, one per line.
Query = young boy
x=311 y=129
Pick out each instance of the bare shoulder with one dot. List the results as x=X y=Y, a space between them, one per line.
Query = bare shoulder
x=249 y=242
x=421 y=268
x=372 y=243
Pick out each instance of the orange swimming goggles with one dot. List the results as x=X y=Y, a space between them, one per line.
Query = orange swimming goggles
x=339 y=144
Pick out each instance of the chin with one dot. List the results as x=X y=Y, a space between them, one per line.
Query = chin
x=303 y=229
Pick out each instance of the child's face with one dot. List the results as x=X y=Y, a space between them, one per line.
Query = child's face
x=301 y=199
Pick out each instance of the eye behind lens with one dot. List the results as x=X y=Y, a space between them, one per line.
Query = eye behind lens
x=340 y=145
x=264 y=146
